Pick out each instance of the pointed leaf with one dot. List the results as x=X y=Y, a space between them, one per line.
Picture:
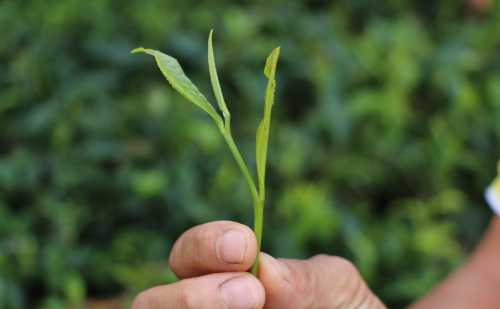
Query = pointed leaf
x=263 y=130
x=270 y=63
x=176 y=77
x=215 y=79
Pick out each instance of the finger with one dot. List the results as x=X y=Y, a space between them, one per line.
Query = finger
x=320 y=282
x=215 y=247
x=215 y=291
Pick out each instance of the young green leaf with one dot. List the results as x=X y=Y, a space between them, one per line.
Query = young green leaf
x=263 y=130
x=176 y=77
x=215 y=81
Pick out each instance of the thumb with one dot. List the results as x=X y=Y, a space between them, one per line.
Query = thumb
x=320 y=282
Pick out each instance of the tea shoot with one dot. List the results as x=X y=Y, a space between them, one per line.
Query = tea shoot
x=180 y=82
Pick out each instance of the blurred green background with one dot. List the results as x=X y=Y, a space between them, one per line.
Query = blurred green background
x=385 y=132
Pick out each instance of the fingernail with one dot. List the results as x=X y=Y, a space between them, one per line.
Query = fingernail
x=231 y=246
x=239 y=293
x=280 y=267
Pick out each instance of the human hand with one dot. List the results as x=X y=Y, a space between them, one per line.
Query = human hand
x=212 y=260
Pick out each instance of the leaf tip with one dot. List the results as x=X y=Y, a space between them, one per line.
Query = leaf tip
x=137 y=50
x=210 y=36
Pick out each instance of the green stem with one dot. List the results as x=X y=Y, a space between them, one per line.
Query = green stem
x=243 y=167
x=259 y=218
x=257 y=203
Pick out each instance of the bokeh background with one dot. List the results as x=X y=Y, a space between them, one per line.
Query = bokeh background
x=385 y=132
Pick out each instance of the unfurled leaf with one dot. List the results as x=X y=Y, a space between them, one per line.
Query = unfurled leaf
x=263 y=130
x=215 y=79
x=176 y=77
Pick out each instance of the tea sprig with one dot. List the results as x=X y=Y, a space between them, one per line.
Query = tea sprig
x=180 y=82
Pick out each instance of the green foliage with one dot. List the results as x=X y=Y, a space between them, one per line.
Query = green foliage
x=387 y=137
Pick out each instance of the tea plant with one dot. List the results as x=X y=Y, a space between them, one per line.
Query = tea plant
x=175 y=75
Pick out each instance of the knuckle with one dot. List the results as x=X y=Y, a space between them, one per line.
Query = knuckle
x=323 y=258
x=188 y=251
x=199 y=242
x=356 y=292
x=361 y=296
x=168 y=296
x=340 y=266
x=311 y=280
x=345 y=266
x=345 y=278
x=309 y=285
x=362 y=299
x=180 y=298
x=347 y=272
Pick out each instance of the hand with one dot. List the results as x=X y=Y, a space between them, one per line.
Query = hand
x=212 y=262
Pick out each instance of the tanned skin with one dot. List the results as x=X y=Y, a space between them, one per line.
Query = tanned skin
x=475 y=285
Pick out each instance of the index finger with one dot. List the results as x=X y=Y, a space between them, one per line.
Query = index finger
x=221 y=246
